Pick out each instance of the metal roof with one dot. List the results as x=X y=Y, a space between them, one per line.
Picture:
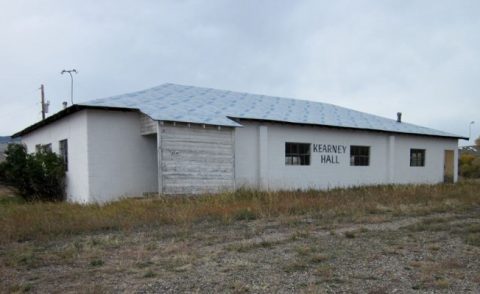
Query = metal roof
x=172 y=102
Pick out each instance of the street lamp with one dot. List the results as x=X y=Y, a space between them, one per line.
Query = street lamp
x=470 y=129
x=71 y=79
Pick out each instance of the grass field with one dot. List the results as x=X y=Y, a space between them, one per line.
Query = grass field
x=372 y=239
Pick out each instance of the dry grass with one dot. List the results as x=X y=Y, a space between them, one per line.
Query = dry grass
x=32 y=221
x=401 y=244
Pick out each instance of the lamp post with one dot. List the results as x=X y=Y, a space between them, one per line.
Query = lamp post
x=71 y=80
x=470 y=129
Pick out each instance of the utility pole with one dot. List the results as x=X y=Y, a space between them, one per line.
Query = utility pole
x=42 y=101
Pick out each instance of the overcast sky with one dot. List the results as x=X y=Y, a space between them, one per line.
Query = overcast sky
x=418 y=57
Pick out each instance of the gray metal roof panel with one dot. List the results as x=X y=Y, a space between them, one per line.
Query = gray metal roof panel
x=172 y=102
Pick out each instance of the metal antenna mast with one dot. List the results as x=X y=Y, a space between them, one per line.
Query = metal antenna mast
x=71 y=79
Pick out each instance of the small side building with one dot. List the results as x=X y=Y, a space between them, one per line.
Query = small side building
x=175 y=139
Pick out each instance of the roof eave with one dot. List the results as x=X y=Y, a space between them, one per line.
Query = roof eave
x=61 y=114
x=352 y=128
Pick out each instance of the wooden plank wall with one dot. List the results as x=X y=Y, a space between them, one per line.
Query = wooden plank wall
x=196 y=159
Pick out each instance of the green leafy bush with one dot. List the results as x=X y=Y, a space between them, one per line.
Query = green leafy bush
x=39 y=176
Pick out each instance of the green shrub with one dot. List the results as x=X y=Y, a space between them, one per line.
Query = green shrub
x=39 y=176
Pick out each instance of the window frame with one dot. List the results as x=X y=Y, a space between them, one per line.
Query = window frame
x=298 y=154
x=359 y=159
x=419 y=161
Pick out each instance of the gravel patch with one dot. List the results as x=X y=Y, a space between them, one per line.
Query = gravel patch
x=404 y=255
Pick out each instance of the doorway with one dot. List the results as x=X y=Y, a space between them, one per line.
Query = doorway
x=448 y=166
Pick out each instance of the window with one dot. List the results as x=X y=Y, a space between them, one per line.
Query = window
x=297 y=153
x=43 y=148
x=417 y=157
x=63 y=147
x=47 y=148
x=359 y=155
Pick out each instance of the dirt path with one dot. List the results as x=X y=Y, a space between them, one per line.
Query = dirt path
x=351 y=228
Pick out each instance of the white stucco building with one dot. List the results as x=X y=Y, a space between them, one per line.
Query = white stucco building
x=176 y=139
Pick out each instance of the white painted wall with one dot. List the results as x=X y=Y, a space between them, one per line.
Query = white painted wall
x=73 y=128
x=121 y=161
x=247 y=156
x=434 y=159
x=385 y=150
x=110 y=158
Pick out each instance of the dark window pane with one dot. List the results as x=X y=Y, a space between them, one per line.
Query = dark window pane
x=297 y=153
x=359 y=155
x=417 y=157
x=63 y=146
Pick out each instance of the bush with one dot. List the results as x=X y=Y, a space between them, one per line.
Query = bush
x=39 y=176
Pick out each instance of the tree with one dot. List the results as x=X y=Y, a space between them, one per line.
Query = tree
x=469 y=166
x=477 y=142
x=39 y=176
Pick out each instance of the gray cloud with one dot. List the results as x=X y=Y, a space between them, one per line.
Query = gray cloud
x=418 y=57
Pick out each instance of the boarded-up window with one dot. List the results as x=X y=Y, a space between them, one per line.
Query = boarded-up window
x=297 y=153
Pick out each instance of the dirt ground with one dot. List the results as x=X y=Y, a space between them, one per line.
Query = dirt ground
x=433 y=253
